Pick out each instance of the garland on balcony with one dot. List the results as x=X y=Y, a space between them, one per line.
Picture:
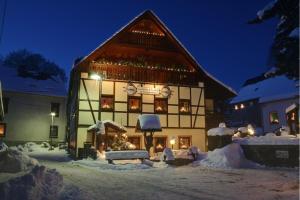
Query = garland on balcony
x=142 y=63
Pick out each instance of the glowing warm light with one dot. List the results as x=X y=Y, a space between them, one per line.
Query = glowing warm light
x=236 y=107
x=106 y=106
x=172 y=141
x=159 y=146
x=131 y=146
x=182 y=109
x=242 y=106
x=52 y=114
x=95 y=77
x=159 y=108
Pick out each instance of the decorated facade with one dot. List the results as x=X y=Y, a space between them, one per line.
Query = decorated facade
x=144 y=69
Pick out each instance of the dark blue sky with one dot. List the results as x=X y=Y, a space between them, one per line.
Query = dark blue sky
x=215 y=32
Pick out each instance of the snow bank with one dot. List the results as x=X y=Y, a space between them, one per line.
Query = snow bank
x=40 y=183
x=230 y=156
x=269 y=139
x=119 y=165
x=12 y=161
x=167 y=154
x=3 y=147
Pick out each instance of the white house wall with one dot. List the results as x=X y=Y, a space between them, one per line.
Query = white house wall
x=28 y=117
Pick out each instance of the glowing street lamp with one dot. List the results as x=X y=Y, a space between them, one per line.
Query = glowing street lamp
x=52 y=114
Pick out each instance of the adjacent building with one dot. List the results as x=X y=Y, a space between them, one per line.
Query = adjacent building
x=268 y=102
x=28 y=104
x=144 y=69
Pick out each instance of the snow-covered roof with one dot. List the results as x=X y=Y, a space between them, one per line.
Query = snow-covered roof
x=99 y=127
x=270 y=89
x=148 y=122
x=185 y=49
x=14 y=83
x=291 y=107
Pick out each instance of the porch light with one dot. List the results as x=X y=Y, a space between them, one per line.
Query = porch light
x=172 y=142
x=96 y=77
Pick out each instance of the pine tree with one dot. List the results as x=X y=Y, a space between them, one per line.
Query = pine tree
x=284 y=52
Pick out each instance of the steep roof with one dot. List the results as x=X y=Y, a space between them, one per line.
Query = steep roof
x=14 y=83
x=150 y=14
x=271 y=89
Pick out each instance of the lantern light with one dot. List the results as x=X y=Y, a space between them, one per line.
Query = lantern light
x=95 y=77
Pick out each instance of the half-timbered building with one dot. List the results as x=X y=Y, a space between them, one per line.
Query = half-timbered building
x=144 y=69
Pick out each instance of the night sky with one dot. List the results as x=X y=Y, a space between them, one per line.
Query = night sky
x=215 y=32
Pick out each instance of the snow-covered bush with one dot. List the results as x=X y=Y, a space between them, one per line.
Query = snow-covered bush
x=12 y=161
x=45 y=145
x=3 y=147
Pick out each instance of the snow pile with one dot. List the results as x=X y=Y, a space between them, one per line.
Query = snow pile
x=12 y=161
x=269 y=139
x=3 y=147
x=230 y=156
x=167 y=154
x=119 y=165
x=220 y=131
x=40 y=183
x=294 y=33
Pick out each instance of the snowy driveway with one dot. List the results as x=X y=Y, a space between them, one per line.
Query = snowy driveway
x=180 y=183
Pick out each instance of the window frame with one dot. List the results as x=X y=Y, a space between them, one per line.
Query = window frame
x=160 y=99
x=5 y=129
x=271 y=122
x=135 y=137
x=107 y=109
x=5 y=104
x=140 y=104
x=53 y=105
x=184 y=100
x=190 y=141
x=155 y=142
x=50 y=132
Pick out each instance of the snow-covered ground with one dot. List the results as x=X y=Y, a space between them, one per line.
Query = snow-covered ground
x=89 y=179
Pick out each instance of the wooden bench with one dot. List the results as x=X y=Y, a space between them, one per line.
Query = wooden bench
x=126 y=155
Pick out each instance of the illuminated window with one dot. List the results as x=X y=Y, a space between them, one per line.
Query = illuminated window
x=242 y=106
x=209 y=105
x=161 y=105
x=107 y=103
x=160 y=144
x=53 y=132
x=135 y=141
x=134 y=104
x=184 y=106
x=184 y=142
x=274 y=118
x=2 y=129
x=293 y=116
x=55 y=109
x=236 y=107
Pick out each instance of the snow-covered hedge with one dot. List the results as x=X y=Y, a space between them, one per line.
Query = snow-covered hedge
x=220 y=131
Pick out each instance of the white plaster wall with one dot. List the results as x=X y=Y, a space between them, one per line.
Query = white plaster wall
x=28 y=117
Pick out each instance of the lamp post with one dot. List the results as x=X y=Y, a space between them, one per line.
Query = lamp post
x=51 y=129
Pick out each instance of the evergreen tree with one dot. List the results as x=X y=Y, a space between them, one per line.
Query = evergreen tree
x=284 y=52
x=33 y=65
